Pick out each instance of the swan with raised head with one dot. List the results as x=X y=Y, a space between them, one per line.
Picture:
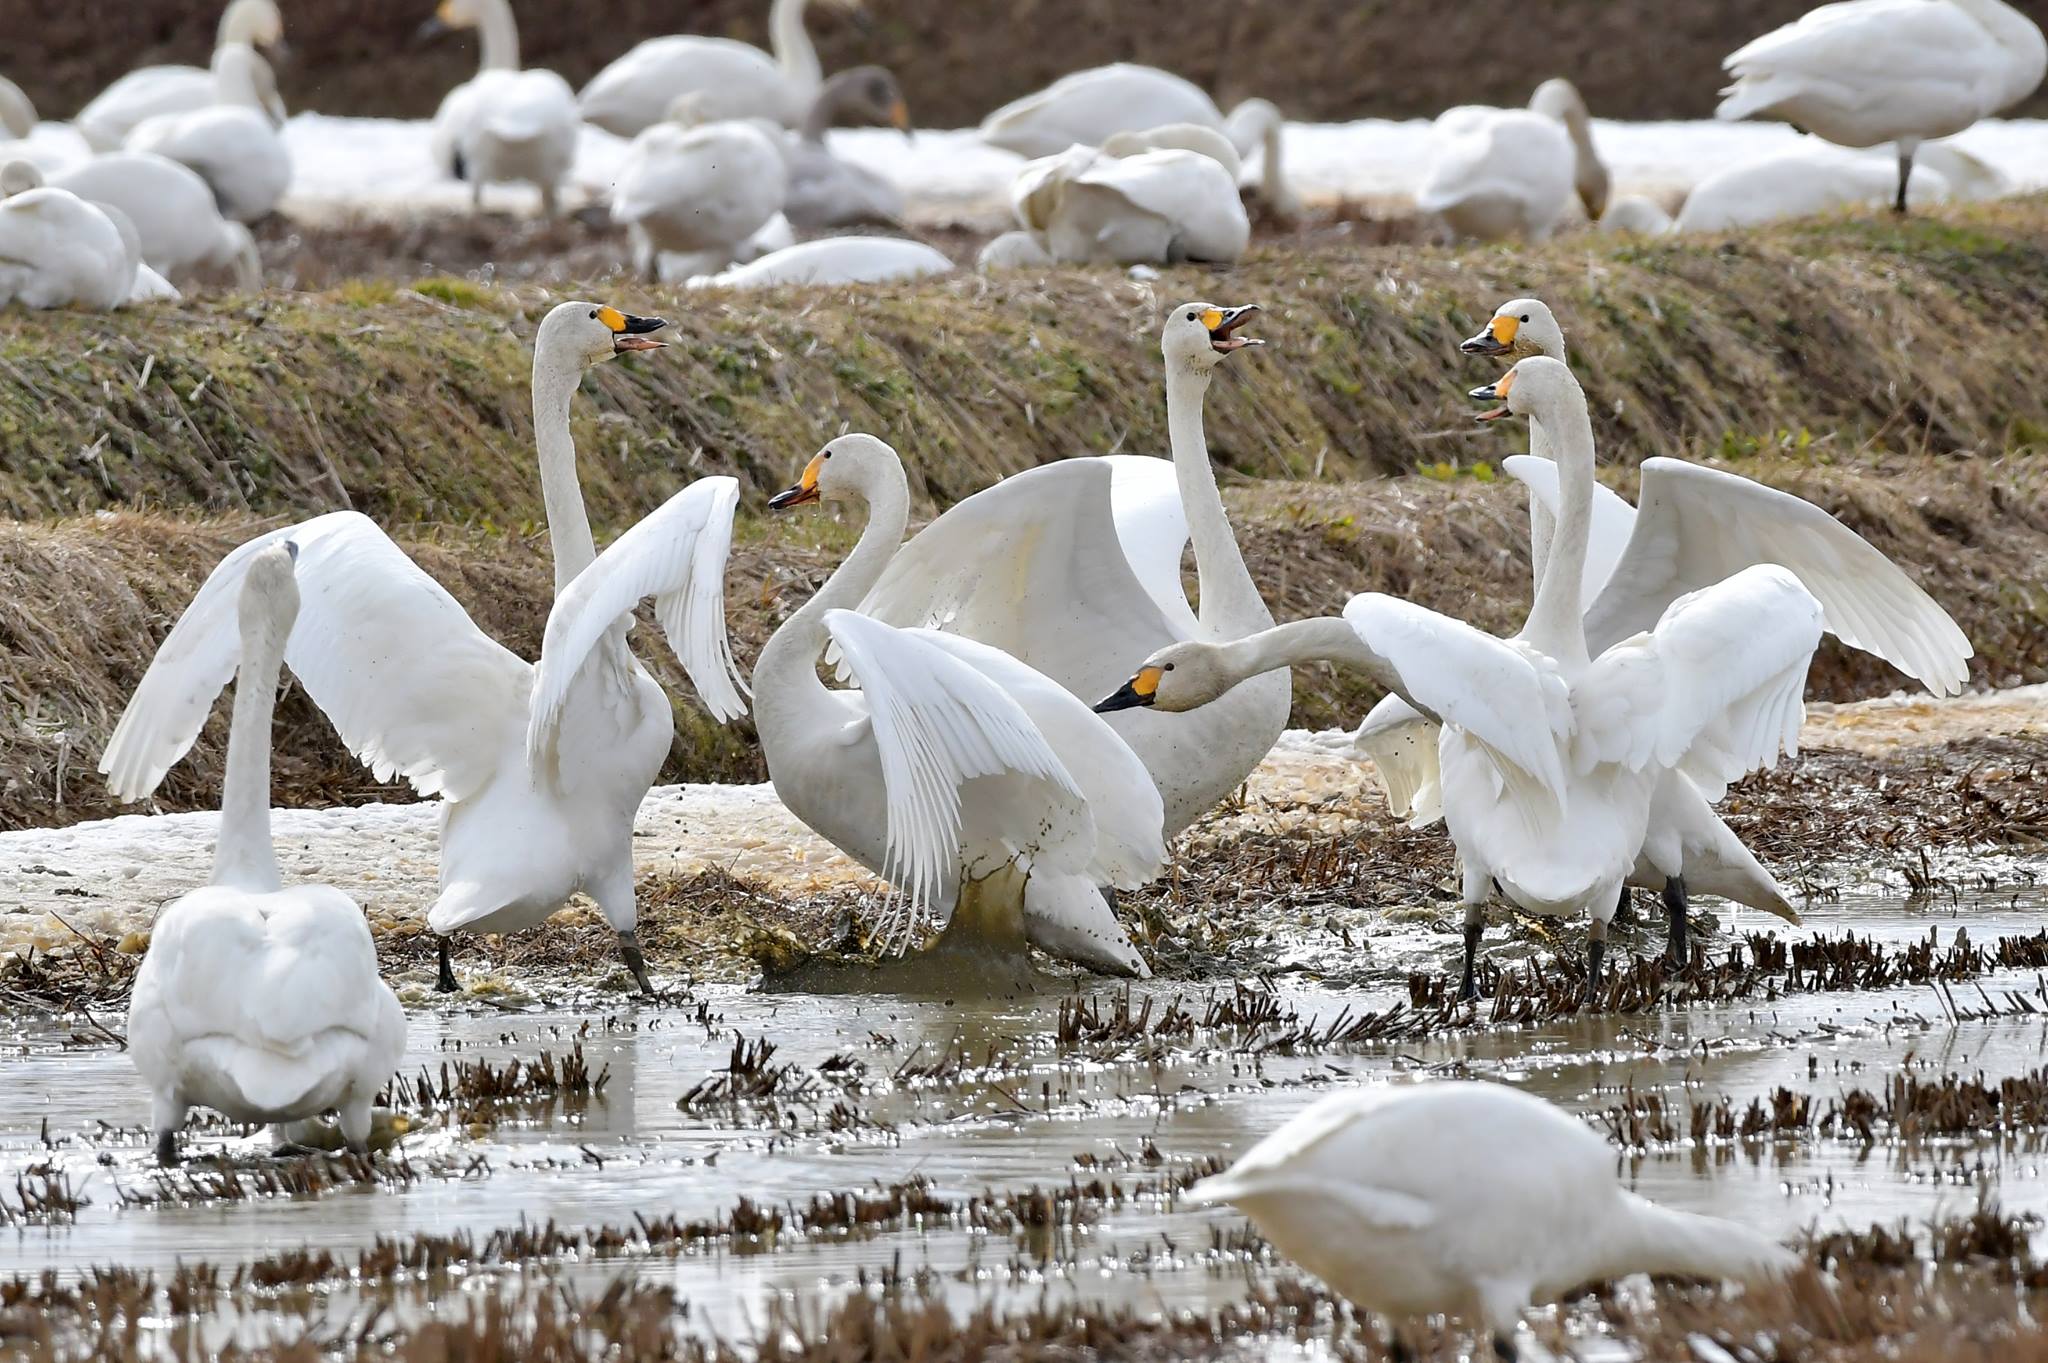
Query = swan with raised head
x=258 y=1001
x=504 y=125
x=1162 y=196
x=736 y=80
x=701 y=191
x=245 y=26
x=416 y=690
x=985 y=792
x=181 y=230
x=1865 y=73
x=1550 y=753
x=1466 y=1199
x=1502 y=173
x=1074 y=570
x=233 y=143
x=832 y=260
x=825 y=191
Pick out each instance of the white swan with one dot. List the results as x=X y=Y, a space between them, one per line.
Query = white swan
x=1466 y=1199
x=155 y=90
x=1695 y=527
x=1800 y=183
x=503 y=125
x=182 y=231
x=701 y=190
x=1160 y=197
x=260 y=1002
x=833 y=260
x=1501 y=173
x=233 y=144
x=417 y=691
x=1550 y=753
x=825 y=191
x=1074 y=570
x=737 y=80
x=985 y=792
x=57 y=250
x=1866 y=72
x=1637 y=214
x=17 y=111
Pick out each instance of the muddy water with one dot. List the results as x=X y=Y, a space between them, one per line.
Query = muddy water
x=1019 y=1117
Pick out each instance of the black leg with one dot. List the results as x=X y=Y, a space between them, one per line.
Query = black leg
x=167 y=1148
x=1677 y=951
x=1624 y=910
x=444 y=983
x=1475 y=924
x=1596 y=954
x=629 y=948
x=1905 y=174
x=1397 y=1347
x=1504 y=1346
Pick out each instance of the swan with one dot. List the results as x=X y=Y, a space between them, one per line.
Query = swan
x=57 y=250
x=181 y=229
x=1074 y=570
x=1161 y=197
x=984 y=791
x=1500 y=173
x=1467 y=1199
x=1550 y=753
x=1799 y=183
x=503 y=125
x=833 y=260
x=260 y=1002
x=1637 y=214
x=738 y=80
x=146 y=285
x=417 y=690
x=1867 y=72
x=234 y=145
x=825 y=191
x=1695 y=527
x=244 y=26
x=17 y=111
x=700 y=190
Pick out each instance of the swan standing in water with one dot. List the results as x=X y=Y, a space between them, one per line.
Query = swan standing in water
x=984 y=791
x=1466 y=1199
x=1550 y=754
x=1501 y=173
x=734 y=79
x=260 y=1002
x=181 y=229
x=245 y=26
x=1863 y=73
x=417 y=690
x=504 y=125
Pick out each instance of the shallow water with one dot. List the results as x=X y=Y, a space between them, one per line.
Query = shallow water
x=1021 y=1121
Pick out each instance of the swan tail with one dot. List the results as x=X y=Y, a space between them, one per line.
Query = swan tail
x=1747 y=98
x=462 y=904
x=1684 y=1244
x=1067 y=917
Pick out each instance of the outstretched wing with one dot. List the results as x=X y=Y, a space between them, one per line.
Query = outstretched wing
x=677 y=556
x=1696 y=526
x=412 y=685
x=1152 y=526
x=1613 y=521
x=1401 y=742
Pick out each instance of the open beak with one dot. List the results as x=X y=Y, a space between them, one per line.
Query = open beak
x=1492 y=392
x=1495 y=338
x=802 y=492
x=1141 y=690
x=636 y=333
x=1220 y=331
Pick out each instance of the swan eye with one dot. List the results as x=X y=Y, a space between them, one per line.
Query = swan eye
x=1525 y=317
x=593 y=314
x=1167 y=668
x=1191 y=317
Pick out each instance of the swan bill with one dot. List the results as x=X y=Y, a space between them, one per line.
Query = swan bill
x=1142 y=689
x=1222 y=322
x=630 y=332
x=801 y=493
x=1492 y=392
x=1496 y=338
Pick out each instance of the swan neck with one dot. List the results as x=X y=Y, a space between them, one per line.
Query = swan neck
x=1230 y=602
x=794 y=51
x=1556 y=623
x=498 y=32
x=554 y=386
x=243 y=854
x=1326 y=639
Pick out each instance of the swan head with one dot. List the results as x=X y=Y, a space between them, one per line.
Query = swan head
x=1201 y=335
x=453 y=14
x=1519 y=328
x=848 y=468
x=585 y=333
x=864 y=95
x=1535 y=387
x=1183 y=676
x=259 y=23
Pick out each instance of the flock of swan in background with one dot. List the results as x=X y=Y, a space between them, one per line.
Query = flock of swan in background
x=1130 y=165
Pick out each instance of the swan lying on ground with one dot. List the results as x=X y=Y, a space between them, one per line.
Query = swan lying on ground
x=154 y=91
x=181 y=230
x=1464 y=1199
x=1866 y=72
x=735 y=80
x=825 y=191
x=260 y=1002
x=1159 y=197
x=1512 y=173
x=832 y=260
x=59 y=251
x=503 y=125
x=417 y=690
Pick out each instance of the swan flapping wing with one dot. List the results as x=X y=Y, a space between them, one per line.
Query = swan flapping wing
x=412 y=685
x=1152 y=526
x=677 y=556
x=1696 y=526
x=1715 y=691
x=938 y=724
x=1613 y=522
x=1401 y=741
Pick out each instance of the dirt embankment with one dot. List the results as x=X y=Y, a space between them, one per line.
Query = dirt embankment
x=1319 y=59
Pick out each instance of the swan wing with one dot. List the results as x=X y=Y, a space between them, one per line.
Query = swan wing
x=1152 y=526
x=1859 y=42
x=412 y=685
x=1308 y=1155
x=1401 y=742
x=677 y=556
x=1613 y=520
x=1697 y=526
x=937 y=724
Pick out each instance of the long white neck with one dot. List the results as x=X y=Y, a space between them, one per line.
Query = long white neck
x=786 y=676
x=794 y=51
x=1556 y=620
x=1231 y=606
x=554 y=386
x=1663 y=1240
x=1542 y=525
x=1326 y=639
x=235 y=79
x=1257 y=123
x=2025 y=47
x=499 y=34
x=243 y=855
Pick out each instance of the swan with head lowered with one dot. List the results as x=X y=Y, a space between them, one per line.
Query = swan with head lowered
x=1501 y=173
x=699 y=191
x=984 y=791
x=258 y=1001
x=1550 y=753
x=503 y=125
x=1865 y=73
x=1694 y=527
x=417 y=690
x=181 y=228
x=1073 y=568
x=245 y=26
x=734 y=79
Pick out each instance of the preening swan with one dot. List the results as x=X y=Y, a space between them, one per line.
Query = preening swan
x=233 y=144
x=417 y=691
x=832 y=260
x=1074 y=569
x=825 y=191
x=504 y=125
x=57 y=250
x=157 y=90
x=700 y=190
x=1500 y=173
x=985 y=792
x=260 y=1002
x=181 y=229
x=1140 y=198
x=1466 y=1199
x=1550 y=753
x=736 y=80
x=1866 y=72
